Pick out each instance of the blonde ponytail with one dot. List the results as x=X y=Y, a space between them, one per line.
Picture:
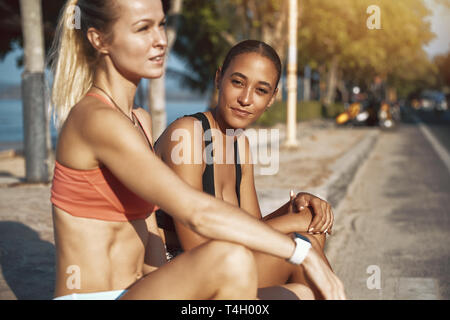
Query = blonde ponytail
x=72 y=75
x=72 y=57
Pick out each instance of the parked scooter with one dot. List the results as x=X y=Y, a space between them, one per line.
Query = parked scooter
x=356 y=114
x=386 y=119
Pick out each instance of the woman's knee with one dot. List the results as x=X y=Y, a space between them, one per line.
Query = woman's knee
x=233 y=260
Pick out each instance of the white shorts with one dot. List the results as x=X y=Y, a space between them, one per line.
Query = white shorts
x=104 y=295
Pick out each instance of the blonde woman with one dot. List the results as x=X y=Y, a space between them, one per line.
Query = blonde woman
x=108 y=182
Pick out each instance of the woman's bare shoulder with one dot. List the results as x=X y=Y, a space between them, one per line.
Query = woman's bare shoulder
x=89 y=123
x=182 y=129
x=94 y=120
x=88 y=108
x=186 y=124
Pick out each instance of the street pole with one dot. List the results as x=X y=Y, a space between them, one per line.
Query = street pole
x=157 y=87
x=291 y=122
x=33 y=93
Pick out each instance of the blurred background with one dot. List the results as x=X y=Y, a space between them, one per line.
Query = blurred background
x=371 y=104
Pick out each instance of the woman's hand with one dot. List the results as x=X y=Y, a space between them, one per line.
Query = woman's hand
x=323 y=216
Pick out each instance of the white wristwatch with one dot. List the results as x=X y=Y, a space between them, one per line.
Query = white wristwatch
x=302 y=246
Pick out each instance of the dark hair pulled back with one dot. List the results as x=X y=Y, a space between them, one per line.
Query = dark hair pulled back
x=253 y=46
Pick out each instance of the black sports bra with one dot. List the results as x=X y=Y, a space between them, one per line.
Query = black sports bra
x=208 y=174
x=164 y=220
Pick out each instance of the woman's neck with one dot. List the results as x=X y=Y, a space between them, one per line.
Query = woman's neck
x=120 y=89
x=220 y=123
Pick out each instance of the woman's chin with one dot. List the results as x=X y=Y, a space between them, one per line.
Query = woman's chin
x=238 y=123
x=153 y=74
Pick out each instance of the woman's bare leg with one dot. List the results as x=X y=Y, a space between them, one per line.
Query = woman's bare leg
x=273 y=271
x=214 y=270
x=288 y=291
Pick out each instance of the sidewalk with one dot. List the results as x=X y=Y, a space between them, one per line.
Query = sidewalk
x=324 y=164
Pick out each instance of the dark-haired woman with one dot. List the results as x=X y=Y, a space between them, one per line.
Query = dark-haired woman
x=108 y=181
x=247 y=84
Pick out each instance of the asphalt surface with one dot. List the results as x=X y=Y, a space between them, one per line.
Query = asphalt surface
x=392 y=230
x=438 y=123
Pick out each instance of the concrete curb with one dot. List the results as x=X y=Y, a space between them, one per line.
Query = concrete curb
x=335 y=187
x=344 y=170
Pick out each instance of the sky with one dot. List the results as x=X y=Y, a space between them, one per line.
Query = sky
x=440 y=25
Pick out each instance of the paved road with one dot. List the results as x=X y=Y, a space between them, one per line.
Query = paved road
x=392 y=232
x=439 y=125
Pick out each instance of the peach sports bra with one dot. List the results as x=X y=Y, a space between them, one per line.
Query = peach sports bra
x=97 y=193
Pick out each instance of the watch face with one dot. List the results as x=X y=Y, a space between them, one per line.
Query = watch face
x=298 y=235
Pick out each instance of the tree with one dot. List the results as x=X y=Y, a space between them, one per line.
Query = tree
x=209 y=28
x=335 y=35
x=33 y=93
x=265 y=20
x=442 y=63
x=12 y=37
x=334 y=38
x=201 y=43
x=11 y=27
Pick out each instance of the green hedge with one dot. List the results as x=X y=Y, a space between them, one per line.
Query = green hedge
x=306 y=110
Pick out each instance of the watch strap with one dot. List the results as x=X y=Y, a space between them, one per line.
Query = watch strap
x=302 y=246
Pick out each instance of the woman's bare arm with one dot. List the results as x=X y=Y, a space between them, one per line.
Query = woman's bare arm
x=280 y=219
x=189 y=172
x=192 y=174
x=155 y=251
x=123 y=150
x=284 y=219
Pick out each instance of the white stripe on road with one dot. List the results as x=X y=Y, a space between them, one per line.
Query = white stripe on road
x=437 y=146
